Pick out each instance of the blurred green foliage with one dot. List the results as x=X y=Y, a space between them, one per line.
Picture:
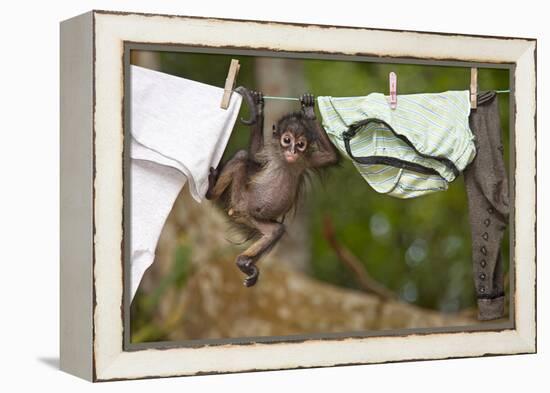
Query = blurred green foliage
x=419 y=248
x=143 y=307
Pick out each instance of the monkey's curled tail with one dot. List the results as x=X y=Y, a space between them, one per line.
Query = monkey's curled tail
x=243 y=91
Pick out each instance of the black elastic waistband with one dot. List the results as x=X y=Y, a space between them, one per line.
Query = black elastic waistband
x=391 y=161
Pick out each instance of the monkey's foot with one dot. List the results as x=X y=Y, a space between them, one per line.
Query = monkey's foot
x=247 y=266
x=212 y=179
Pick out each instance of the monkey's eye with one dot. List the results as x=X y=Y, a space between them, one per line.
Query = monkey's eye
x=286 y=141
x=301 y=145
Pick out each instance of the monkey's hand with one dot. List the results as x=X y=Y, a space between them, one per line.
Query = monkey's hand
x=308 y=105
x=212 y=179
x=258 y=98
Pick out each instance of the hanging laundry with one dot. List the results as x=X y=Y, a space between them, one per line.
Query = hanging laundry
x=487 y=189
x=178 y=131
x=415 y=149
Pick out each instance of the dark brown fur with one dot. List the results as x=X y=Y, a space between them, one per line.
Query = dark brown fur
x=260 y=186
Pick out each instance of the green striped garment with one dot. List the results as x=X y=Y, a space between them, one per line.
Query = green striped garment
x=429 y=131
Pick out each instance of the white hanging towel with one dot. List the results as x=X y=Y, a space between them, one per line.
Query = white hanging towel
x=178 y=131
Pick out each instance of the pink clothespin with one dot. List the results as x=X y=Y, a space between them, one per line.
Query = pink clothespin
x=393 y=90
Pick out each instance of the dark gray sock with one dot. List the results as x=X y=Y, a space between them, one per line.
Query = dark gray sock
x=487 y=190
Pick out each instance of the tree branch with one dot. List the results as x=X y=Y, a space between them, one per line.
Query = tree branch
x=365 y=281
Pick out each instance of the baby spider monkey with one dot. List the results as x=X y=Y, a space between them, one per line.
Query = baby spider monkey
x=259 y=186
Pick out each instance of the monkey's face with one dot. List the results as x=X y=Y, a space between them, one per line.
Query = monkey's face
x=293 y=146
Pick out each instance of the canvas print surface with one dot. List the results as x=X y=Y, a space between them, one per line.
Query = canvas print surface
x=317 y=203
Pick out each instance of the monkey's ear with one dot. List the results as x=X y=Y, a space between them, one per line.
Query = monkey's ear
x=274 y=129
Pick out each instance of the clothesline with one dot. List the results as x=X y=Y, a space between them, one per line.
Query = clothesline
x=297 y=99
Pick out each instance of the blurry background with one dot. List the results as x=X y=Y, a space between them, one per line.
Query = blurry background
x=353 y=260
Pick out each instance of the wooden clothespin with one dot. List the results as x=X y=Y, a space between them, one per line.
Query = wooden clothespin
x=230 y=82
x=473 y=88
x=393 y=90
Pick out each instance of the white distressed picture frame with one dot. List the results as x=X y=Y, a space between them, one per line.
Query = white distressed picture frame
x=92 y=204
